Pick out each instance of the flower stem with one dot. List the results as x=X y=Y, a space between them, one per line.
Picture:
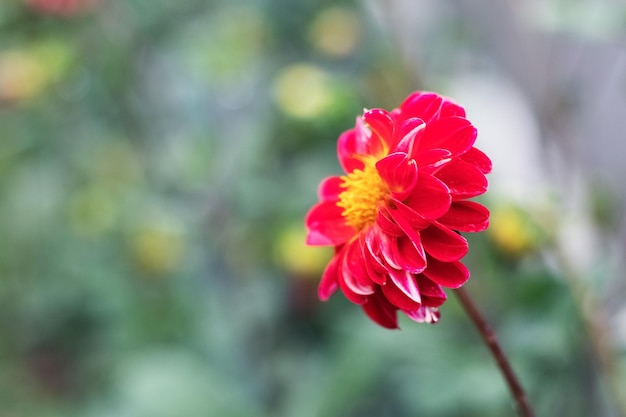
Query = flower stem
x=490 y=340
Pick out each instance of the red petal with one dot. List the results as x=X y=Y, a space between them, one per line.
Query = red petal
x=432 y=294
x=430 y=159
x=430 y=197
x=347 y=148
x=354 y=272
x=330 y=188
x=404 y=136
x=416 y=221
x=385 y=223
x=443 y=244
x=380 y=311
x=399 y=172
x=328 y=285
x=410 y=256
x=466 y=216
x=410 y=252
x=404 y=281
x=463 y=179
x=350 y=295
x=426 y=106
x=375 y=269
x=404 y=252
x=374 y=144
x=380 y=122
x=479 y=159
x=372 y=243
x=455 y=134
x=450 y=108
x=358 y=142
x=448 y=274
x=432 y=301
x=389 y=250
x=327 y=226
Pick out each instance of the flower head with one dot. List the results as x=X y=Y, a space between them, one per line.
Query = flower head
x=395 y=217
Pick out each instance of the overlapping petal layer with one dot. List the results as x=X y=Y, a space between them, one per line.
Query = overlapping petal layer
x=395 y=218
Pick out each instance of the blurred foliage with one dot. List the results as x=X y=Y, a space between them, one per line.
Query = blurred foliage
x=156 y=161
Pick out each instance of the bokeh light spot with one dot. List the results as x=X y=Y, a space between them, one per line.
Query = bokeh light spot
x=336 y=32
x=303 y=91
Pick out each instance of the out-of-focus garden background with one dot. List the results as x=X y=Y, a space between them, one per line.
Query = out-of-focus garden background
x=157 y=158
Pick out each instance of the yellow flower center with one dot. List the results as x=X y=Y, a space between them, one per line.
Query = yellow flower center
x=365 y=190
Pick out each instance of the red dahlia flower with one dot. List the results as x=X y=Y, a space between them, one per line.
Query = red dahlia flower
x=395 y=217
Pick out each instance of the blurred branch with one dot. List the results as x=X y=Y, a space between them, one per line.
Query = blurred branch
x=595 y=321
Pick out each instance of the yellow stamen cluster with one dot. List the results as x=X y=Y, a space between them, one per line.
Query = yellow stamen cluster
x=365 y=190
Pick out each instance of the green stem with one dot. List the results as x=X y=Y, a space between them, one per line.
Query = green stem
x=523 y=407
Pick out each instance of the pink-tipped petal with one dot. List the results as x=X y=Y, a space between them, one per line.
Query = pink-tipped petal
x=398 y=298
x=424 y=315
x=447 y=274
x=466 y=216
x=463 y=179
x=443 y=244
x=410 y=252
x=405 y=253
x=381 y=311
x=327 y=227
x=430 y=197
x=350 y=295
x=328 y=285
x=372 y=244
x=354 y=272
x=405 y=282
x=375 y=270
x=330 y=188
x=389 y=251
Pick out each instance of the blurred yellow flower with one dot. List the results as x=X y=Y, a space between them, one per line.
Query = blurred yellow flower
x=157 y=249
x=336 y=31
x=292 y=253
x=513 y=231
x=22 y=76
x=26 y=72
x=303 y=91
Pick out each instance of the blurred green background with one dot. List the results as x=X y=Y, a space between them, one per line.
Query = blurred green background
x=157 y=158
